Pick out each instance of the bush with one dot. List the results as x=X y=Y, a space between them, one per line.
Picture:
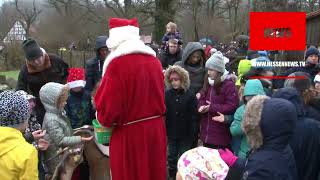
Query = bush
x=13 y=56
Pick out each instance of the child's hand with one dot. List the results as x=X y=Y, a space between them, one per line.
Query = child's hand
x=86 y=139
x=219 y=118
x=43 y=144
x=38 y=134
x=204 y=109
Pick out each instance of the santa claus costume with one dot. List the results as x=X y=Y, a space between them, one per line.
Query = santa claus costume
x=130 y=99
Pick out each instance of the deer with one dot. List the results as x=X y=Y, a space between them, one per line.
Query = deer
x=99 y=167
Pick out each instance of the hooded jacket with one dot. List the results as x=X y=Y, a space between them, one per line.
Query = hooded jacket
x=305 y=142
x=226 y=102
x=18 y=159
x=94 y=65
x=269 y=125
x=196 y=74
x=58 y=127
x=243 y=67
x=181 y=105
x=253 y=87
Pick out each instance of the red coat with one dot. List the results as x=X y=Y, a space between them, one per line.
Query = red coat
x=132 y=88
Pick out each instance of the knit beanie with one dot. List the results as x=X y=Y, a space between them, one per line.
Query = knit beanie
x=14 y=109
x=31 y=49
x=216 y=62
x=312 y=50
x=300 y=84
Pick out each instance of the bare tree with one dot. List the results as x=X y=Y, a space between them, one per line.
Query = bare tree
x=311 y=5
x=63 y=7
x=7 y=18
x=164 y=12
x=28 y=15
x=212 y=5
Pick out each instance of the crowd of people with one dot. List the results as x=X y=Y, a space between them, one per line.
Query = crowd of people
x=182 y=113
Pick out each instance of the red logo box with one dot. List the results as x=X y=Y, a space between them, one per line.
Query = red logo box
x=277 y=30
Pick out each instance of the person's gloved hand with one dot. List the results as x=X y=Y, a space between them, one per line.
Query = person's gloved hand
x=228 y=157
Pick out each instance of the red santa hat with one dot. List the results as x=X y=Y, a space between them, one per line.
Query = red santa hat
x=76 y=77
x=121 y=30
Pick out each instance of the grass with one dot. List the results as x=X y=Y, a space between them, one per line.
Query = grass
x=12 y=74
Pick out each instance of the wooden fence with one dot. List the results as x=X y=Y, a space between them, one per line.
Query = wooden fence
x=76 y=58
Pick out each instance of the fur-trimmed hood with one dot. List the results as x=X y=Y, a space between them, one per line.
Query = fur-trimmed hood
x=269 y=123
x=183 y=74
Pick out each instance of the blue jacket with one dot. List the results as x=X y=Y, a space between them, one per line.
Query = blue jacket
x=79 y=109
x=274 y=158
x=305 y=142
x=94 y=65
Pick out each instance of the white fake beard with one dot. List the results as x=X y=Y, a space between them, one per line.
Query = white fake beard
x=211 y=81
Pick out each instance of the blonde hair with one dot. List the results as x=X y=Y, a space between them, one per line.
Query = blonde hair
x=63 y=97
x=172 y=25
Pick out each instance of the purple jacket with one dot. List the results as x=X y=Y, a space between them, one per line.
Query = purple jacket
x=212 y=132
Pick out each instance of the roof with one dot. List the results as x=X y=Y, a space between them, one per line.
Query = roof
x=313 y=14
x=16 y=33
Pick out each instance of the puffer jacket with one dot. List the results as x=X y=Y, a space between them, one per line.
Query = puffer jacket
x=305 y=142
x=181 y=115
x=57 y=125
x=212 y=132
x=253 y=87
x=269 y=128
x=18 y=159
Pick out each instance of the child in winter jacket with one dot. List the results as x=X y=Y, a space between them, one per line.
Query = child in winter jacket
x=269 y=124
x=59 y=131
x=18 y=158
x=252 y=88
x=78 y=108
x=181 y=115
x=34 y=134
x=220 y=97
x=171 y=33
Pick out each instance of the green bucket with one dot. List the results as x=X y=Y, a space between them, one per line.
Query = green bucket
x=102 y=134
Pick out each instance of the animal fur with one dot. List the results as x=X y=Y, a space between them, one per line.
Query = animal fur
x=183 y=74
x=251 y=121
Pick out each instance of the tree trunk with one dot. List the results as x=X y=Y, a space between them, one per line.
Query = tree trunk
x=248 y=17
x=163 y=14
x=127 y=7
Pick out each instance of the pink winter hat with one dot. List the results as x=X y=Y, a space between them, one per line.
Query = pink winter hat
x=202 y=163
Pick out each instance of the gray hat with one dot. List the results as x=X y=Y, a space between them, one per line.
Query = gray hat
x=216 y=62
x=14 y=109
